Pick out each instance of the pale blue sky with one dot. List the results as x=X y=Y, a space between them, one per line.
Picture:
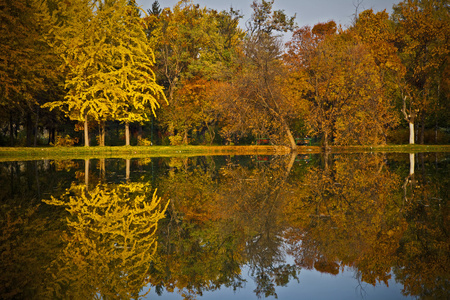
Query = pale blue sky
x=309 y=12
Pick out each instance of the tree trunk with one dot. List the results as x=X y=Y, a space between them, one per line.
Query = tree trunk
x=51 y=135
x=11 y=130
x=29 y=129
x=127 y=169
x=102 y=133
x=36 y=123
x=411 y=132
x=325 y=142
x=151 y=135
x=411 y=164
x=102 y=169
x=127 y=134
x=86 y=131
x=291 y=139
x=290 y=164
x=410 y=119
x=422 y=133
x=86 y=173
x=289 y=134
x=185 y=138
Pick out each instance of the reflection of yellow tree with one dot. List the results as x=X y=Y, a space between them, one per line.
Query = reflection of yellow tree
x=110 y=241
x=347 y=214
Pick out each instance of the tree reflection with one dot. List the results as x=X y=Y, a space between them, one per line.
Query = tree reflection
x=110 y=241
x=347 y=215
x=29 y=241
x=220 y=221
x=424 y=252
x=252 y=199
x=226 y=217
x=194 y=254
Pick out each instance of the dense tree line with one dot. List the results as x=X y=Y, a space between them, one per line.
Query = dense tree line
x=191 y=75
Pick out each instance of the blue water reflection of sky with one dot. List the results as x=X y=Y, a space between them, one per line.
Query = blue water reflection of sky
x=312 y=285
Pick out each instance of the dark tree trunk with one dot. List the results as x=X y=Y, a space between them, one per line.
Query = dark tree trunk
x=51 y=135
x=102 y=133
x=36 y=123
x=11 y=130
x=422 y=133
x=29 y=129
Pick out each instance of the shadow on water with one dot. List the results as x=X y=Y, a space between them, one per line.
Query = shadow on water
x=117 y=228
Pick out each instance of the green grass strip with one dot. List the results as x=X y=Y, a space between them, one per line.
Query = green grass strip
x=36 y=153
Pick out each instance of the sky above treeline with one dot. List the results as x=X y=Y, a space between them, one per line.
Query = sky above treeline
x=309 y=12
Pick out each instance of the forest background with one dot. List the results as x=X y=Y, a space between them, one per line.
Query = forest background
x=192 y=75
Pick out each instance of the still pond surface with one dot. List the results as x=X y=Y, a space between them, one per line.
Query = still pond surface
x=342 y=226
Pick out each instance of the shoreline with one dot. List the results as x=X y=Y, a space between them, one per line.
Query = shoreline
x=38 y=153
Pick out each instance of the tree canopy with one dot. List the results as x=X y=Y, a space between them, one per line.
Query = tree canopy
x=103 y=63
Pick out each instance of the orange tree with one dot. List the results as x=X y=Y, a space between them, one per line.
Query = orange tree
x=423 y=30
x=257 y=102
x=340 y=85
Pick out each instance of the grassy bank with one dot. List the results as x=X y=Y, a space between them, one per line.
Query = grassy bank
x=22 y=153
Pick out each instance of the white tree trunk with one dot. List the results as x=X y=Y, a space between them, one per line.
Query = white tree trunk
x=411 y=163
x=411 y=133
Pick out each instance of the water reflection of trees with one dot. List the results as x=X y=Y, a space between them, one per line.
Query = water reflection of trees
x=424 y=253
x=347 y=215
x=220 y=221
x=348 y=211
x=224 y=218
x=109 y=242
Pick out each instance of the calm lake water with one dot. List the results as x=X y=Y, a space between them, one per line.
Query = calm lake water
x=342 y=226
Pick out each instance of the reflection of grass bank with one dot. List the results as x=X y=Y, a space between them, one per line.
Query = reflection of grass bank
x=393 y=148
x=22 y=153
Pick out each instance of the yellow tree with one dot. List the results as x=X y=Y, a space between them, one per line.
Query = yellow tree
x=107 y=62
x=109 y=243
x=132 y=82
